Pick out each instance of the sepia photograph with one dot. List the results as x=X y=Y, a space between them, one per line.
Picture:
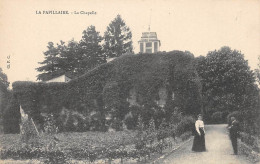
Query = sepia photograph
x=130 y=82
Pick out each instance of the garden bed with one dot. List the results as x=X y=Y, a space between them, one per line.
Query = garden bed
x=67 y=141
x=249 y=152
x=97 y=147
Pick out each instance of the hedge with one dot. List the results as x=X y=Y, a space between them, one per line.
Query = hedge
x=104 y=90
x=249 y=127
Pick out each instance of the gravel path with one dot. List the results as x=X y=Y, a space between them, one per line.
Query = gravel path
x=219 y=150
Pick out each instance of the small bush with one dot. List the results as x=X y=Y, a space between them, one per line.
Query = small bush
x=163 y=131
x=185 y=136
x=130 y=123
x=117 y=124
x=151 y=132
x=49 y=124
x=185 y=125
x=250 y=140
x=217 y=117
x=175 y=119
x=56 y=157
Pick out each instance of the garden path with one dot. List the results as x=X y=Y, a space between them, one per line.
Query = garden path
x=219 y=150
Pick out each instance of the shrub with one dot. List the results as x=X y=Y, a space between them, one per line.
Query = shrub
x=50 y=125
x=175 y=118
x=117 y=124
x=5 y=97
x=141 y=135
x=12 y=117
x=247 y=121
x=185 y=136
x=131 y=119
x=185 y=125
x=236 y=114
x=29 y=133
x=25 y=152
x=130 y=123
x=151 y=132
x=250 y=140
x=249 y=128
x=163 y=131
x=217 y=117
x=56 y=157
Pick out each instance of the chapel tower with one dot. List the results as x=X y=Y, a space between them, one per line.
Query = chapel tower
x=149 y=43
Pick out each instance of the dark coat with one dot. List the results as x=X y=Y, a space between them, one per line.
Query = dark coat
x=234 y=129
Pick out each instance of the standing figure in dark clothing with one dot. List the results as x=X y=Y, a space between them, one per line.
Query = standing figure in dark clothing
x=199 y=138
x=233 y=133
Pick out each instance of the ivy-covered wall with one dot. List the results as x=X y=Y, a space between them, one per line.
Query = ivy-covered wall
x=101 y=94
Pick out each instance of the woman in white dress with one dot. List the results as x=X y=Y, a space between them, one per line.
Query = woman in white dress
x=199 y=138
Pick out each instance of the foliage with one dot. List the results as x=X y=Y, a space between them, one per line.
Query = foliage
x=118 y=38
x=227 y=81
x=217 y=117
x=151 y=131
x=184 y=125
x=28 y=132
x=12 y=117
x=91 y=49
x=141 y=134
x=163 y=131
x=257 y=71
x=3 y=79
x=104 y=91
x=257 y=74
x=50 y=125
x=249 y=121
x=236 y=114
x=55 y=157
x=5 y=95
x=90 y=146
x=74 y=58
x=66 y=145
x=185 y=136
x=250 y=140
x=175 y=119
x=50 y=63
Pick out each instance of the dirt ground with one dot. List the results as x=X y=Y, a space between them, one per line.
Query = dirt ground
x=219 y=150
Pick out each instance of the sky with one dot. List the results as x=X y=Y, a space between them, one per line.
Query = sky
x=197 y=26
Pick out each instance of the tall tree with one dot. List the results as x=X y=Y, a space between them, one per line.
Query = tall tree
x=118 y=38
x=3 y=79
x=257 y=71
x=73 y=58
x=5 y=94
x=91 y=49
x=50 y=67
x=227 y=81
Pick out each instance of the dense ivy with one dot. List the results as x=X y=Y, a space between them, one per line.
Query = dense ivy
x=104 y=90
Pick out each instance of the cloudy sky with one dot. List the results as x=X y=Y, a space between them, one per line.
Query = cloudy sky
x=197 y=26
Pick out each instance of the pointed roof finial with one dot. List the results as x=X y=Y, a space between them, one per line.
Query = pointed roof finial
x=149 y=27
